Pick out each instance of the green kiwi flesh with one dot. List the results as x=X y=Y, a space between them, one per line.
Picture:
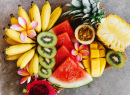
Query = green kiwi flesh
x=43 y=72
x=46 y=52
x=115 y=59
x=47 y=39
x=47 y=63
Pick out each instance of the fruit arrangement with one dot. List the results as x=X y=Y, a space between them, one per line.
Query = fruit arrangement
x=53 y=56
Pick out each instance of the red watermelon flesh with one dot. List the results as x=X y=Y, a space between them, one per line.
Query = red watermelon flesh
x=70 y=75
x=62 y=54
x=64 y=27
x=64 y=39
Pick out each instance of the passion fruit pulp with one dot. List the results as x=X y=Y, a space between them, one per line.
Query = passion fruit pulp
x=85 y=34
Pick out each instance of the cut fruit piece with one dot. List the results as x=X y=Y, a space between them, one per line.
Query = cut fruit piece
x=87 y=65
x=85 y=34
x=43 y=72
x=94 y=53
x=46 y=52
x=94 y=45
x=95 y=63
x=47 y=39
x=100 y=46
x=64 y=39
x=102 y=65
x=47 y=63
x=95 y=67
x=64 y=27
x=70 y=75
x=102 y=53
x=115 y=59
x=62 y=54
x=114 y=32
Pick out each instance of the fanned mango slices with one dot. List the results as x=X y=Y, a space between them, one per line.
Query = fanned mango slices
x=95 y=62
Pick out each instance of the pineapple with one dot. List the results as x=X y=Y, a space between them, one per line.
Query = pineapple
x=114 y=32
x=88 y=10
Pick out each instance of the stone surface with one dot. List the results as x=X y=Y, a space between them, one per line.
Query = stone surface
x=112 y=82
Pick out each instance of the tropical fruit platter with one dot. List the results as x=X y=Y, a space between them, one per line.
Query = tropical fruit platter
x=56 y=50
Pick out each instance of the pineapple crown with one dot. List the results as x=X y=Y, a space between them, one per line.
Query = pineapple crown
x=89 y=11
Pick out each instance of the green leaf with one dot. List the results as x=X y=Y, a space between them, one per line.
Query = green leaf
x=86 y=15
x=81 y=14
x=86 y=3
x=76 y=11
x=77 y=3
x=95 y=10
x=91 y=1
x=69 y=5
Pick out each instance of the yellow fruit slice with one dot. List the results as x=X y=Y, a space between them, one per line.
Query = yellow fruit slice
x=95 y=67
x=94 y=53
x=94 y=45
x=95 y=62
x=102 y=65
x=102 y=53
x=114 y=32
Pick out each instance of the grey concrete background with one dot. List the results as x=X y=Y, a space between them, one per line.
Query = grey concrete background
x=112 y=82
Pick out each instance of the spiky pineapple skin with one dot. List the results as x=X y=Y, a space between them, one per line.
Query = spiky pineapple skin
x=90 y=11
x=108 y=41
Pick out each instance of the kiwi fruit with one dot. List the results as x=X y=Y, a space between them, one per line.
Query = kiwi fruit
x=47 y=63
x=43 y=72
x=115 y=59
x=47 y=39
x=46 y=52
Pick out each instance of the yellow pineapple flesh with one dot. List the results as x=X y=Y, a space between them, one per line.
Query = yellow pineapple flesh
x=114 y=32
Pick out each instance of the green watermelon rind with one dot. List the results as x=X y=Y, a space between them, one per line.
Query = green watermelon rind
x=53 y=81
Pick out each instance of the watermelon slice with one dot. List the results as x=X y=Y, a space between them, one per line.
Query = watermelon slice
x=64 y=27
x=62 y=54
x=64 y=39
x=70 y=75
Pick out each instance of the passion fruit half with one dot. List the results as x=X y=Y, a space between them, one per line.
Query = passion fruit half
x=85 y=34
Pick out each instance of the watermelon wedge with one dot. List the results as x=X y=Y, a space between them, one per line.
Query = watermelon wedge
x=70 y=75
x=64 y=27
x=62 y=54
x=64 y=39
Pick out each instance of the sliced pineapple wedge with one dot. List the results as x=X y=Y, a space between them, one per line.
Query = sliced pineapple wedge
x=114 y=32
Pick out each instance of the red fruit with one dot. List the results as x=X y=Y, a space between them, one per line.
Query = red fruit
x=64 y=39
x=40 y=87
x=64 y=27
x=62 y=54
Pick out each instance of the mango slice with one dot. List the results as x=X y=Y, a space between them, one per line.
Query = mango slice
x=95 y=62
x=102 y=65
x=94 y=53
x=95 y=67
x=102 y=53
x=94 y=45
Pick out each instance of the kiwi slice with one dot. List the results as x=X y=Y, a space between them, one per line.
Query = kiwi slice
x=115 y=59
x=47 y=39
x=46 y=52
x=47 y=63
x=43 y=72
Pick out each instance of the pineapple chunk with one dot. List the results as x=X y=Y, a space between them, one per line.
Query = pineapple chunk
x=102 y=65
x=94 y=45
x=102 y=53
x=94 y=53
x=95 y=67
